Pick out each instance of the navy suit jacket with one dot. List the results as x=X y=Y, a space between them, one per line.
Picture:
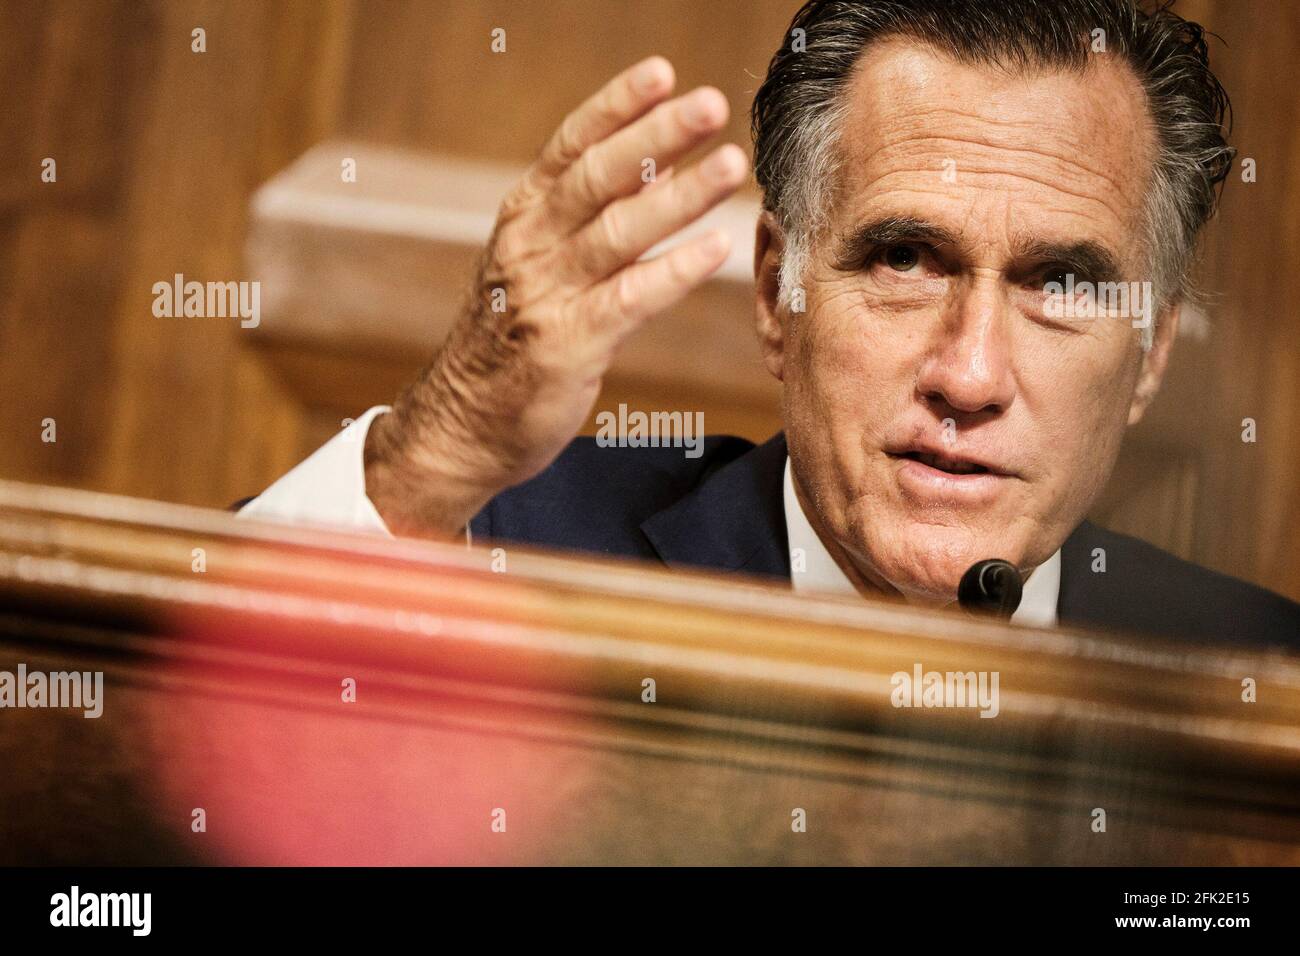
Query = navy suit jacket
x=724 y=511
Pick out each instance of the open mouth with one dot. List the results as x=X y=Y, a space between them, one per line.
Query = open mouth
x=952 y=466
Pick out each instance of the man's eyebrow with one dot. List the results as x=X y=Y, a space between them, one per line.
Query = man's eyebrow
x=1086 y=260
x=852 y=249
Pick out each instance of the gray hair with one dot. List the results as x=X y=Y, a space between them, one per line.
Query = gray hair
x=798 y=112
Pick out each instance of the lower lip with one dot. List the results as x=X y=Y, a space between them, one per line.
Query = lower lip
x=932 y=484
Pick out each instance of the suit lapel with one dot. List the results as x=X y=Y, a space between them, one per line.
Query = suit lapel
x=733 y=521
x=1082 y=597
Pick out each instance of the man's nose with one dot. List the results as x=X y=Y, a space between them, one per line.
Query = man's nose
x=968 y=367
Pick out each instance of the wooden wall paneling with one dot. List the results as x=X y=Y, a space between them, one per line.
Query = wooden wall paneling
x=184 y=430
x=1248 y=518
x=61 y=267
x=452 y=94
x=55 y=346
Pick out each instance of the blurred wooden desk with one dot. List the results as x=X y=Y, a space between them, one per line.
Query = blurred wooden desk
x=501 y=717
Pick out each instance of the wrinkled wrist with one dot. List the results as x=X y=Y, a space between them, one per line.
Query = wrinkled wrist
x=414 y=483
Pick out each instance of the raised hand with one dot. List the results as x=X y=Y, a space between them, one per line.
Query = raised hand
x=559 y=287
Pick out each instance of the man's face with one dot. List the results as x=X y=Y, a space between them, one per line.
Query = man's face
x=927 y=349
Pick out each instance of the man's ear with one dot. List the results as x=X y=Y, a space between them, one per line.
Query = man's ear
x=769 y=245
x=1154 y=363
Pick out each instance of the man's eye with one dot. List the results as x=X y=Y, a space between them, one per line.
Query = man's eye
x=902 y=258
x=1057 y=275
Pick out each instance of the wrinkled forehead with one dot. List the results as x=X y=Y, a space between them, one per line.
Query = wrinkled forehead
x=1080 y=142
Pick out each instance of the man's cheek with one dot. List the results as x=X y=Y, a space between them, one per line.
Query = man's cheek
x=1074 y=459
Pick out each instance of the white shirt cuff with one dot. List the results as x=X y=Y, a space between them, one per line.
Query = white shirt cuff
x=328 y=488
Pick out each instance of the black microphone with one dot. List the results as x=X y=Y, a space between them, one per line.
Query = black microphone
x=991 y=587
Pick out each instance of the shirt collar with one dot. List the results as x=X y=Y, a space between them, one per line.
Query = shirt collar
x=813 y=569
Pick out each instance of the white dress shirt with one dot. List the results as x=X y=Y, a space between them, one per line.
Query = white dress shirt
x=329 y=489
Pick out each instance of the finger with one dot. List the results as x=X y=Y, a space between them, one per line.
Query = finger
x=633 y=294
x=660 y=177
x=613 y=167
x=623 y=99
x=630 y=226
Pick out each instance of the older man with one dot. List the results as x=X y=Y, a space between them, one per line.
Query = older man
x=942 y=180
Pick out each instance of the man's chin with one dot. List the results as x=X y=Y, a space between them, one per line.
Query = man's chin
x=938 y=587
x=927 y=566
